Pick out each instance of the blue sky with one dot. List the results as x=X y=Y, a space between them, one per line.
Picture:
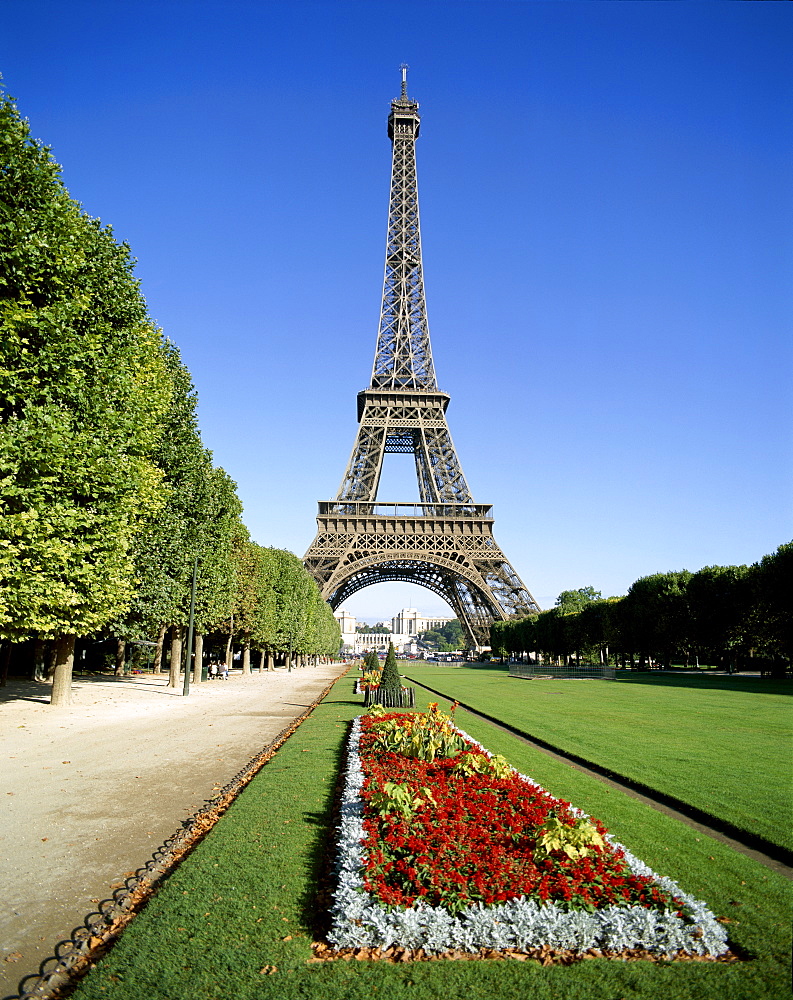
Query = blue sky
x=607 y=213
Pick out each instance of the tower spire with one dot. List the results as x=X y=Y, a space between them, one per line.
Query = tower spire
x=403 y=358
x=404 y=67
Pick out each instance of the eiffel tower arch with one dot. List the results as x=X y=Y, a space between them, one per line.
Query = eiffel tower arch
x=445 y=541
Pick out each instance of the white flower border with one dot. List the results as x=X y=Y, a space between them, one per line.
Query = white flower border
x=359 y=920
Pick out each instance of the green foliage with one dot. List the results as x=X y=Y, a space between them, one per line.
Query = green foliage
x=398 y=798
x=574 y=840
x=198 y=518
x=390 y=679
x=280 y=606
x=425 y=736
x=83 y=390
x=446 y=638
x=573 y=601
x=469 y=764
x=769 y=617
x=731 y=615
x=107 y=494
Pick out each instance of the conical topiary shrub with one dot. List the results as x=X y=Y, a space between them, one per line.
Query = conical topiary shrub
x=390 y=679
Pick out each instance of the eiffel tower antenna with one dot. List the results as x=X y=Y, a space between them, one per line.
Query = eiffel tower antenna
x=445 y=542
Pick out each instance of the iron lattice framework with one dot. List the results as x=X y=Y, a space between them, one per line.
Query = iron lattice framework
x=445 y=542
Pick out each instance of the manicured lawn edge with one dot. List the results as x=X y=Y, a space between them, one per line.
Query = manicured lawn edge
x=238 y=917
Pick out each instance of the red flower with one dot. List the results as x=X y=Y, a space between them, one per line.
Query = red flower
x=479 y=842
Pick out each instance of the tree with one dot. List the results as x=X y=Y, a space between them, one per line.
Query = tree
x=573 y=601
x=719 y=598
x=444 y=638
x=390 y=680
x=83 y=390
x=770 y=618
x=658 y=615
x=379 y=629
x=500 y=635
x=198 y=507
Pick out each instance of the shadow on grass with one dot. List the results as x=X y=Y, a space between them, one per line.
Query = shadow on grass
x=691 y=679
x=317 y=896
x=499 y=668
x=704 y=682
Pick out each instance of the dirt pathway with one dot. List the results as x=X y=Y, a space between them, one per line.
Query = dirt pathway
x=89 y=792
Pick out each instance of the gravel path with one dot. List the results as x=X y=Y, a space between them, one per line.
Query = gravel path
x=90 y=791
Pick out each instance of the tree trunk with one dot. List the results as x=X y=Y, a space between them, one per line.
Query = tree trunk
x=176 y=656
x=64 y=662
x=270 y=661
x=157 y=665
x=40 y=660
x=5 y=659
x=229 y=651
x=261 y=661
x=121 y=655
x=52 y=658
x=198 y=662
x=246 y=658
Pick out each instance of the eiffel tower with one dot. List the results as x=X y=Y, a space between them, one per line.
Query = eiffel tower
x=445 y=542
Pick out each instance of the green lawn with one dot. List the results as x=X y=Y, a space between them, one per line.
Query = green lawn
x=722 y=744
x=245 y=899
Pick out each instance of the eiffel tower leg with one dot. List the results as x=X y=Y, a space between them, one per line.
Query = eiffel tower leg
x=507 y=588
x=443 y=466
x=365 y=466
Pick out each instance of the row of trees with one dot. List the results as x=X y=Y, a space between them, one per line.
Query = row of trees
x=445 y=638
x=379 y=629
x=108 y=497
x=724 y=615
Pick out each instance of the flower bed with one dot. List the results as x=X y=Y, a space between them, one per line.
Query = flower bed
x=462 y=852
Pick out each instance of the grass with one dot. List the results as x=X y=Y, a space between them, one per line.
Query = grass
x=720 y=744
x=245 y=900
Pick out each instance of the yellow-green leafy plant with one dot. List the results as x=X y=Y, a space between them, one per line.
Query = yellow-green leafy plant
x=469 y=764
x=398 y=797
x=425 y=736
x=576 y=841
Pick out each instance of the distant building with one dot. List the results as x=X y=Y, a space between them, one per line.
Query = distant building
x=347 y=622
x=410 y=622
x=405 y=629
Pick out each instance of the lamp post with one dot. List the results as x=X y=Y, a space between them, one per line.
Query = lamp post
x=188 y=663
